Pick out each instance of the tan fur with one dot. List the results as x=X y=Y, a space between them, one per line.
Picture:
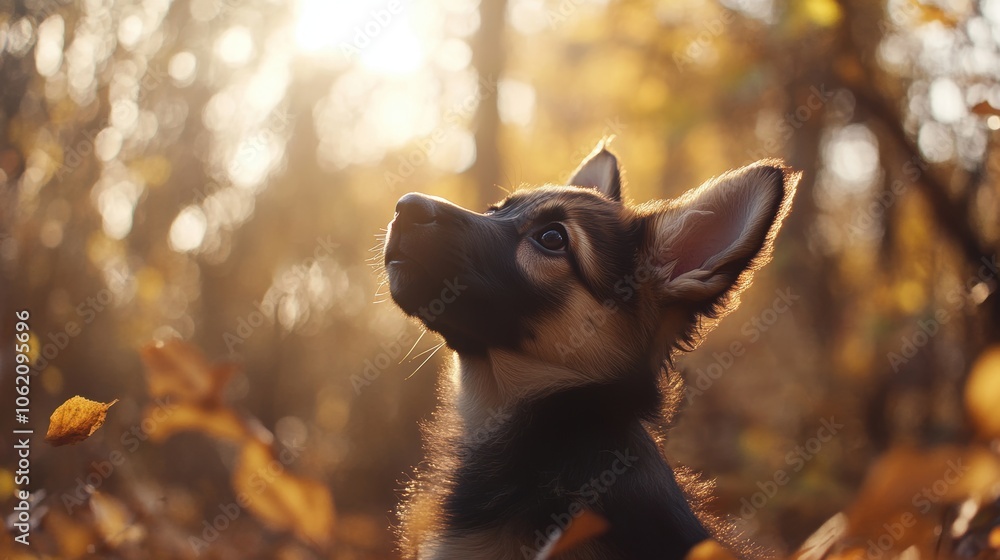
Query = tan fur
x=587 y=340
x=538 y=267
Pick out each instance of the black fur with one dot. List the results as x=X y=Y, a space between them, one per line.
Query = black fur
x=537 y=470
x=533 y=471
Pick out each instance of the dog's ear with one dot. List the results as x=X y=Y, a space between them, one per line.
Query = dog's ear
x=600 y=171
x=705 y=246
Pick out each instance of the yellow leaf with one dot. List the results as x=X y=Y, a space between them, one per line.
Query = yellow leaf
x=114 y=522
x=76 y=420
x=982 y=393
x=165 y=421
x=280 y=499
x=177 y=369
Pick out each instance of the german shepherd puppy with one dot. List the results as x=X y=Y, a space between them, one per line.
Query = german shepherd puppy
x=564 y=306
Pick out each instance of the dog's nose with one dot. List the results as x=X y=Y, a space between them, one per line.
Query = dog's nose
x=416 y=209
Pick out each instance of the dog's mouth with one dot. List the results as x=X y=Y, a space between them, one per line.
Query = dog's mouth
x=394 y=256
x=393 y=252
x=408 y=277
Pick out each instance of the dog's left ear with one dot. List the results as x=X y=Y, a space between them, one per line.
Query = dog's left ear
x=600 y=171
x=706 y=245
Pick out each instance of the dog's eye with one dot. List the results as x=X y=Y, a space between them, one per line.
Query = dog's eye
x=553 y=237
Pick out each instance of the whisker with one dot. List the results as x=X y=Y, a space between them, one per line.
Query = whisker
x=419 y=338
x=436 y=348
x=424 y=352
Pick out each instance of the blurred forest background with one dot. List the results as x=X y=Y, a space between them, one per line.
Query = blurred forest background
x=219 y=170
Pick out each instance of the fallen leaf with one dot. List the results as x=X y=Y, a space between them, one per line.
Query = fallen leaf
x=76 y=420
x=177 y=369
x=280 y=499
x=221 y=423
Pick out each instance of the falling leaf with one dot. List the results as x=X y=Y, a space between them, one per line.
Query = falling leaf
x=816 y=546
x=982 y=393
x=280 y=499
x=76 y=420
x=710 y=550
x=586 y=526
x=114 y=521
x=983 y=108
x=903 y=486
x=930 y=14
x=177 y=369
x=221 y=423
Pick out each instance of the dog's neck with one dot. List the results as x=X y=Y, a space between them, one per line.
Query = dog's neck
x=493 y=385
x=499 y=380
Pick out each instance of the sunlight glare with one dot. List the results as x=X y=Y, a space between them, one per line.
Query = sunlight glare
x=188 y=230
x=376 y=34
x=235 y=46
x=947 y=103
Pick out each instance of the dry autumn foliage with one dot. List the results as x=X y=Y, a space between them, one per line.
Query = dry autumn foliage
x=178 y=370
x=583 y=528
x=114 y=521
x=914 y=503
x=76 y=420
x=261 y=479
x=280 y=501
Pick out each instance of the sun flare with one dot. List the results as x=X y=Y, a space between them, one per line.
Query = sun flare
x=378 y=35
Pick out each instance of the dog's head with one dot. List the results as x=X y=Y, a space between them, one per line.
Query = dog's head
x=573 y=278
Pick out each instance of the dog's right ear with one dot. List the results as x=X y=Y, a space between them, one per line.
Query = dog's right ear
x=600 y=171
x=706 y=245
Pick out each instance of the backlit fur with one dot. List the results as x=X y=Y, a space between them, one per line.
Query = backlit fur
x=560 y=359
